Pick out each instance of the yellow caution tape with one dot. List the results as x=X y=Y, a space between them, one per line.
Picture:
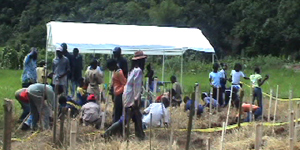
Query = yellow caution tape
x=27 y=139
x=74 y=105
x=280 y=99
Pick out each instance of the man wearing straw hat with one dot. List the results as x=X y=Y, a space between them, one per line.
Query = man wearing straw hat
x=132 y=98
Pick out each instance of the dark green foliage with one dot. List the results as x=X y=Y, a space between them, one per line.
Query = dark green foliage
x=265 y=27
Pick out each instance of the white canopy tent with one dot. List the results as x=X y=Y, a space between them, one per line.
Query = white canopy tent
x=103 y=38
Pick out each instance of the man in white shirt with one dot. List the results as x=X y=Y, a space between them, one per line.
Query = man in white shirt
x=237 y=74
x=160 y=114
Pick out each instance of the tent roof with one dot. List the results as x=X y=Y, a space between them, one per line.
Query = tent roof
x=102 y=38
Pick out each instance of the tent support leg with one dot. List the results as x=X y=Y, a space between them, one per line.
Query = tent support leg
x=163 y=69
x=181 y=71
x=213 y=58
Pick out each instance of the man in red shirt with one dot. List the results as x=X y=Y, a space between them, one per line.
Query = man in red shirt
x=22 y=96
x=118 y=83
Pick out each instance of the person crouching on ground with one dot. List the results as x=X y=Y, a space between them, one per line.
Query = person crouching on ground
x=118 y=82
x=132 y=98
x=160 y=114
x=68 y=103
x=207 y=100
x=177 y=87
x=81 y=92
x=188 y=106
x=37 y=95
x=256 y=110
x=91 y=112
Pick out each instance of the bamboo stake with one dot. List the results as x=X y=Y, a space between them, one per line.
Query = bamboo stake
x=208 y=144
x=128 y=125
x=150 y=129
x=275 y=107
x=73 y=134
x=146 y=92
x=258 y=136
x=155 y=88
x=222 y=137
x=55 y=114
x=210 y=107
x=270 y=104
x=8 y=118
x=290 y=102
x=291 y=132
x=124 y=118
x=190 y=125
x=230 y=99
x=251 y=97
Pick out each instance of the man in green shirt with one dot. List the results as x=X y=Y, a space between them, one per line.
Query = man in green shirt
x=257 y=82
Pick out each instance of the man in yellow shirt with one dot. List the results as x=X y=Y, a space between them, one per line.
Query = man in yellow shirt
x=40 y=72
x=257 y=82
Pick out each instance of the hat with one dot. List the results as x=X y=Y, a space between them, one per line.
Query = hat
x=139 y=55
x=59 y=49
x=91 y=97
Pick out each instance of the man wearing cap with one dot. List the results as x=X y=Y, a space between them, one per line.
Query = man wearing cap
x=70 y=58
x=122 y=62
x=91 y=112
x=61 y=68
x=29 y=75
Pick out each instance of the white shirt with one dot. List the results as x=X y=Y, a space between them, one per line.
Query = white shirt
x=222 y=74
x=158 y=112
x=236 y=76
x=98 y=69
x=216 y=79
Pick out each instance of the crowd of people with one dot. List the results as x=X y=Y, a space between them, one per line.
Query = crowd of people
x=83 y=96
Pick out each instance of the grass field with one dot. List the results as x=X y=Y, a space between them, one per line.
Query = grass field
x=10 y=81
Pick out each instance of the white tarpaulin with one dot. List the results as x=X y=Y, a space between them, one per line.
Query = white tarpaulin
x=102 y=38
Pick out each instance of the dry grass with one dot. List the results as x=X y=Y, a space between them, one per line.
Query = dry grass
x=89 y=138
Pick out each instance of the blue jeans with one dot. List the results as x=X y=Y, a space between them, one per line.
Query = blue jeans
x=257 y=114
x=74 y=87
x=257 y=94
x=26 y=110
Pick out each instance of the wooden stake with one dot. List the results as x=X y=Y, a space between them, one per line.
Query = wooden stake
x=218 y=94
x=195 y=105
x=68 y=126
x=296 y=124
x=190 y=125
x=128 y=125
x=124 y=118
x=61 y=131
x=104 y=114
x=210 y=107
x=55 y=115
x=208 y=144
x=240 y=111
x=229 y=105
x=171 y=125
x=258 y=136
x=73 y=134
x=291 y=132
x=8 y=122
x=150 y=129
x=275 y=107
x=270 y=104
x=222 y=137
x=290 y=102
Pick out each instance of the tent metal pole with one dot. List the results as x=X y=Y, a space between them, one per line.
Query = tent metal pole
x=163 y=68
x=181 y=70
x=213 y=58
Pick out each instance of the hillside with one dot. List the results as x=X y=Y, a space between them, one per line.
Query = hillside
x=232 y=26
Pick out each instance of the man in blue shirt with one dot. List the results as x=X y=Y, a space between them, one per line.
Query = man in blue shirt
x=29 y=75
